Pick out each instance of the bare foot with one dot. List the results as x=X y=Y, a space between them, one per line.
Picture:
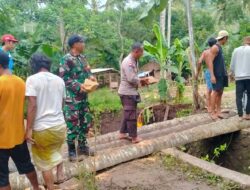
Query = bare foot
x=241 y=118
x=136 y=140
x=124 y=136
x=247 y=117
x=213 y=116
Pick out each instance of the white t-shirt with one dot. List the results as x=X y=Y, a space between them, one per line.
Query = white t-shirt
x=49 y=91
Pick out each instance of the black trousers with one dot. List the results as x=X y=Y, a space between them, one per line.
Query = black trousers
x=129 y=120
x=241 y=87
x=21 y=157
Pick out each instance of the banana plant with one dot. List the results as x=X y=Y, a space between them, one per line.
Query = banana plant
x=160 y=52
x=178 y=54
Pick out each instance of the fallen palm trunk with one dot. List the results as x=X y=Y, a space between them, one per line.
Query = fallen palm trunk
x=127 y=153
x=160 y=131
x=103 y=139
x=151 y=135
x=152 y=131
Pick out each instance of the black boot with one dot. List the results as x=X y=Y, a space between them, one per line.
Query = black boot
x=85 y=150
x=72 y=152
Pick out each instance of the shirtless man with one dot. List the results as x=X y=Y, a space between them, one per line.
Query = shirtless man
x=204 y=58
x=218 y=73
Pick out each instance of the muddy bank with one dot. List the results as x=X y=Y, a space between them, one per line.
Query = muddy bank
x=235 y=157
x=110 y=121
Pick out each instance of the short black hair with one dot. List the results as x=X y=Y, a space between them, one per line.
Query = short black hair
x=211 y=41
x=223 y=38
x=74 y=39
x=39 y=61
x=136 y=46
x=4 y=60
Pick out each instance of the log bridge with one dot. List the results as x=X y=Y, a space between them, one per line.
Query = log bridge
x=158 y=136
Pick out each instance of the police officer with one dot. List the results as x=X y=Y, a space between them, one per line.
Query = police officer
x=74 y=69
x=128 y=93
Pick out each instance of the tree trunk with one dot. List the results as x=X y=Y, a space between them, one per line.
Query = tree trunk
x=121 y=38
x=106 y=138
x=62 y=34
x=192 y=55
x=126 y=153
x=163 y=22
x=94 y=6
x=169 y=22
x=151 y=130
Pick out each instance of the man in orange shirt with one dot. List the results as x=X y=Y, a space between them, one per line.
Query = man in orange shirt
x=12 y=132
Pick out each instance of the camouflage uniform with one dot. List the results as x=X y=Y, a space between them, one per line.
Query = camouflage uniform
x=74 y=70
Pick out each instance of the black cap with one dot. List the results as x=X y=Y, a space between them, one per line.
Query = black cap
x=4 y=59
x=74 y=39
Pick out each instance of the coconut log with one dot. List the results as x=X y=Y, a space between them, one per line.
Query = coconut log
x=192 y=119
x=147 y=132
x=133 y=151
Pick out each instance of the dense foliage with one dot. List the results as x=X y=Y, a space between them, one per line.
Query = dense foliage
x=111 y=26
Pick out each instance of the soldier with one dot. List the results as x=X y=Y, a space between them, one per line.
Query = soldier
x=129 y=94
x=74 y=69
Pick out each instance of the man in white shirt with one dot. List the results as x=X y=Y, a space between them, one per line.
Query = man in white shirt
x=240 y=67
x=46 y=128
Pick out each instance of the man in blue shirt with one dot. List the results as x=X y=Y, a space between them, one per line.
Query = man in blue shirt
x=8 y=44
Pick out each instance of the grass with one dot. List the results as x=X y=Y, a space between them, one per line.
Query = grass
x=104 y=99
x=87 y=180
x=184 y=112
x=230 y=87
x=197 y=174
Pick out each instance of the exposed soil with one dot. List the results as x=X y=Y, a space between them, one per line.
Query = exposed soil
x=111 y=121
x=147 y=174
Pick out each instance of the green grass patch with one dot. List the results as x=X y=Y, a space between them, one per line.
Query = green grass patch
x=104 y=99
x=197 y=174
x=230 y=87
x=184 y=112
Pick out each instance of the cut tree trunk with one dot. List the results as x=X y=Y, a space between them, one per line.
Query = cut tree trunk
x=157 y=133
x=155 y=126
x=126 y=153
